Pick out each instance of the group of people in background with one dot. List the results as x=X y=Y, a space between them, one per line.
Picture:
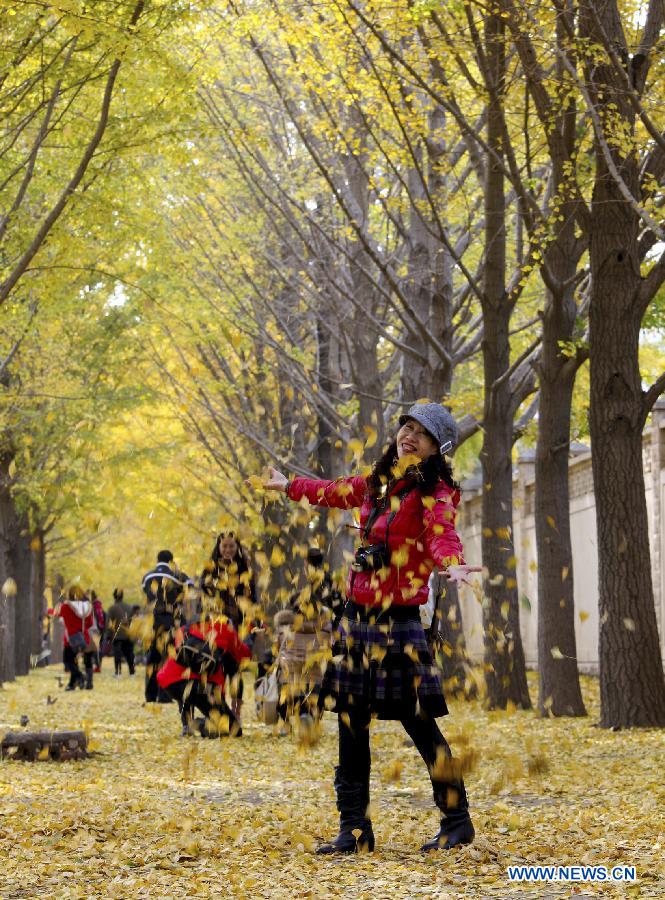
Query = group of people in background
x=197 y=663
x=191 y=662
x=90 y=633
x=363 y=655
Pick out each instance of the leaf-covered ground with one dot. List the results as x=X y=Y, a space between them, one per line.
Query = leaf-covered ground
x=154 y=815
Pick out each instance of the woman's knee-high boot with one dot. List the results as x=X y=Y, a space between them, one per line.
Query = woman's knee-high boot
x=355 y=828
x=456 y=825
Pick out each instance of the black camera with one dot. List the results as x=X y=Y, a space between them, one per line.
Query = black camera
x=371 y=559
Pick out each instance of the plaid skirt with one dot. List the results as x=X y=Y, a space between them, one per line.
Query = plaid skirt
x=381 y=660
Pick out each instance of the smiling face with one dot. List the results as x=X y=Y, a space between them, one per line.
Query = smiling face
x=414 y=440
x=228 y=547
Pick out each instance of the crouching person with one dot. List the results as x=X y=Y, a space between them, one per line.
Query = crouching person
x=205 y=654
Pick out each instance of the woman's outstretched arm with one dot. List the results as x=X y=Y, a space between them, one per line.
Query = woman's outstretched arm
x=343 y=493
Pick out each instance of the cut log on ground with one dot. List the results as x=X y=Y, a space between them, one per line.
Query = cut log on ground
x=35 y=746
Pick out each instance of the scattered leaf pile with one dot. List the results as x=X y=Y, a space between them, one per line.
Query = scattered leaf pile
x=151 y=814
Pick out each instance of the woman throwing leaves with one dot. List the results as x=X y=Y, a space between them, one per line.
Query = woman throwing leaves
x=381 y=662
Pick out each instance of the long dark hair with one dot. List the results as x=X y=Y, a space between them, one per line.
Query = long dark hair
x=239 y=558
x=427 y=474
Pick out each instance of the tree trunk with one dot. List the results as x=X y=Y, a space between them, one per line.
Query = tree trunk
x=430 y=277
x=37 y=587
x=22 y=557
x=34 y=746
x=631 y=672
x=414 y=376
x=559 y=691
x=505 y=669
x=632 y=688
x=7 y=575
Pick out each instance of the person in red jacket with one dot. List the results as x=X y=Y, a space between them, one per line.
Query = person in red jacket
x=77 y=614
x=204 y=690
x=381 y=663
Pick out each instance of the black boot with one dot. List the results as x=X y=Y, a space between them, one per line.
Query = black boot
x=76 y=681
x=88 y=679
x=456 y=825
x=355 y=829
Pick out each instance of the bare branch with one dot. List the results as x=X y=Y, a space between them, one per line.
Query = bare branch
x=651 y=395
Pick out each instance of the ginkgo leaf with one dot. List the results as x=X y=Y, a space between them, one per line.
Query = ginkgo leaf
x=393 y=771
x=372 y=435
x=9 y=588
x=277 y=557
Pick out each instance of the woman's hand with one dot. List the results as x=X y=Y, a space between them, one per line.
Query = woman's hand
x=275 y=481
x=459 y=574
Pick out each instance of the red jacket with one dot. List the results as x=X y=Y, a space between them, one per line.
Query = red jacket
x=421 y=536
x=226 y=638
x=77 y=616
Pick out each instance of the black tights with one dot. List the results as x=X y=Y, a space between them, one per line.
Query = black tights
x=70 y=660
x=123 y=647
x=355 y=757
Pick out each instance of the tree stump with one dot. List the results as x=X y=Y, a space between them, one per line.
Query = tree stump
x=34 y=746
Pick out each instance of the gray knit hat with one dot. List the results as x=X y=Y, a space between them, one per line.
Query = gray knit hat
x=438 y=422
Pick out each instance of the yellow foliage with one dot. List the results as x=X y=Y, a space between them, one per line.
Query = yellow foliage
x=220 y=810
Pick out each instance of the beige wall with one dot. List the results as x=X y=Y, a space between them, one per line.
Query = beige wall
x=585 y=554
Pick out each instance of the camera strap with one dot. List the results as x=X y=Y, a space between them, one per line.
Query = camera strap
x=379 y=508
x=375 y=512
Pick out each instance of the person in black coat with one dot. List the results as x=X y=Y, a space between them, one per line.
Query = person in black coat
x=164 y=587
x=117 y=629
x=227 y=580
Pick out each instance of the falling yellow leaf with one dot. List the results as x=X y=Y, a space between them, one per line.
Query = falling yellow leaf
x=372 y=435
x=277 y=557
x=400 y=557
x=393 y=771
x=356 y=447
x=9 y=588
x=256 y=482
